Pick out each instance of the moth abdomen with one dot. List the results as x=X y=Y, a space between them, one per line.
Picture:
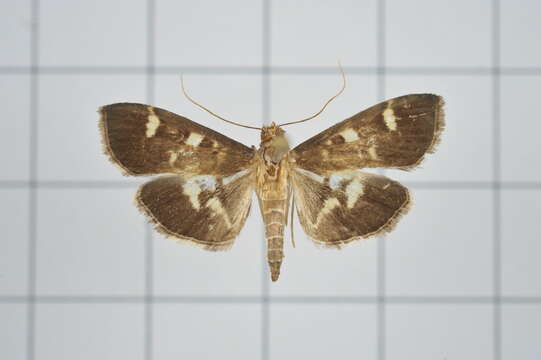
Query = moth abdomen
x=274 y=217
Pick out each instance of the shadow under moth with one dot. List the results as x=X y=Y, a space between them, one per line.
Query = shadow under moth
x=205 y=193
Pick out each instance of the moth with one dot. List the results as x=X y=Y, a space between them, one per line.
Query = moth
x=204 y=193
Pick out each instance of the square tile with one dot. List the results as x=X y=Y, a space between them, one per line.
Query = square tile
x=520 y=242
x=468 y=127
x=323 y=331
x=14 y=211
x=443 y=247
x=13 y=331
x=15 y=126
x=185 y=270
x=90 y=242
x=180 y=269
x=208 y=33
x=207 y=331
x=234 y=97
x=427 y=33
x=521 y=326
x=89 y=331
x=308 y=270
x=16 y=30
x=520 y=29
x=295 y=97
x=429 y=331
x=69 y=137
x=318 y=33
x=93 y=33
x=519 y=129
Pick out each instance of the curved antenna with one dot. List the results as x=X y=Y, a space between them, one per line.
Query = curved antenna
x=207 y=110
x=326 y=103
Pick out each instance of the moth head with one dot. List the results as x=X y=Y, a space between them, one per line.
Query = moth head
x=270 y=132
x=273 y=139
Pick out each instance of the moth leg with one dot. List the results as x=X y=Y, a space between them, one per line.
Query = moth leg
x=291 y=222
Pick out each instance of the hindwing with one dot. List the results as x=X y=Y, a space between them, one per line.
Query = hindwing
x=208 y=211
x=345 y=206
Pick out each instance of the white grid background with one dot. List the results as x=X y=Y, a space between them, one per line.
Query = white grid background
x=83 y=277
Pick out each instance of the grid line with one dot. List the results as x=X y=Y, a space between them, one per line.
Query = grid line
x=258 y=70
x=173 y=299
x=381 y=260
x=33 y=161
x=125 y=184
x=496 y=88
x=149 y=244
x=149 y=290
x=266 y=116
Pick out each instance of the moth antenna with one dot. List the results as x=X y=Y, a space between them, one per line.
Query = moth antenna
x=207 y=110
x=291 y=222
x=326 y=103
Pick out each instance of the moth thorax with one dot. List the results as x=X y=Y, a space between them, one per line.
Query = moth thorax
x=274 y=143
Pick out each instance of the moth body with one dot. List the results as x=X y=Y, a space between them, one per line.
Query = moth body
x=273 y=192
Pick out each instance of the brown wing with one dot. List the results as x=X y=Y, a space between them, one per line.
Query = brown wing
x=393 y=134
x=345 y=206
x=207 y=210
x=145 y=140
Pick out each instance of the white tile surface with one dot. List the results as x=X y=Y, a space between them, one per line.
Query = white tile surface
x=521 y=325
x=296 y=97
x=319 y=331
x=443 y=246
x=520 y=31
x=234 y=97
x=93 y=33
x=311 y=271
x=184 y=270
x=318 y=33
x=14 y=244
x=208 y=33
x=90 y=242
x=465 y=151
x=207 y=331
x=15 y=126
x=69 y=143
x=427 y=332
x=89 y=331
x=520 y=242
x=520 y=129
x=438 y=33
x=181 y=269
x=13 y=331
x=16 y=28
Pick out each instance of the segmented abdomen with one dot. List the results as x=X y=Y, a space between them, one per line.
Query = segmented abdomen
x=274 y=217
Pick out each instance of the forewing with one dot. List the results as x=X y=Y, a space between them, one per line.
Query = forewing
x=205 y=210
x=393 y=134
x=145 y=140
x=337 y=209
